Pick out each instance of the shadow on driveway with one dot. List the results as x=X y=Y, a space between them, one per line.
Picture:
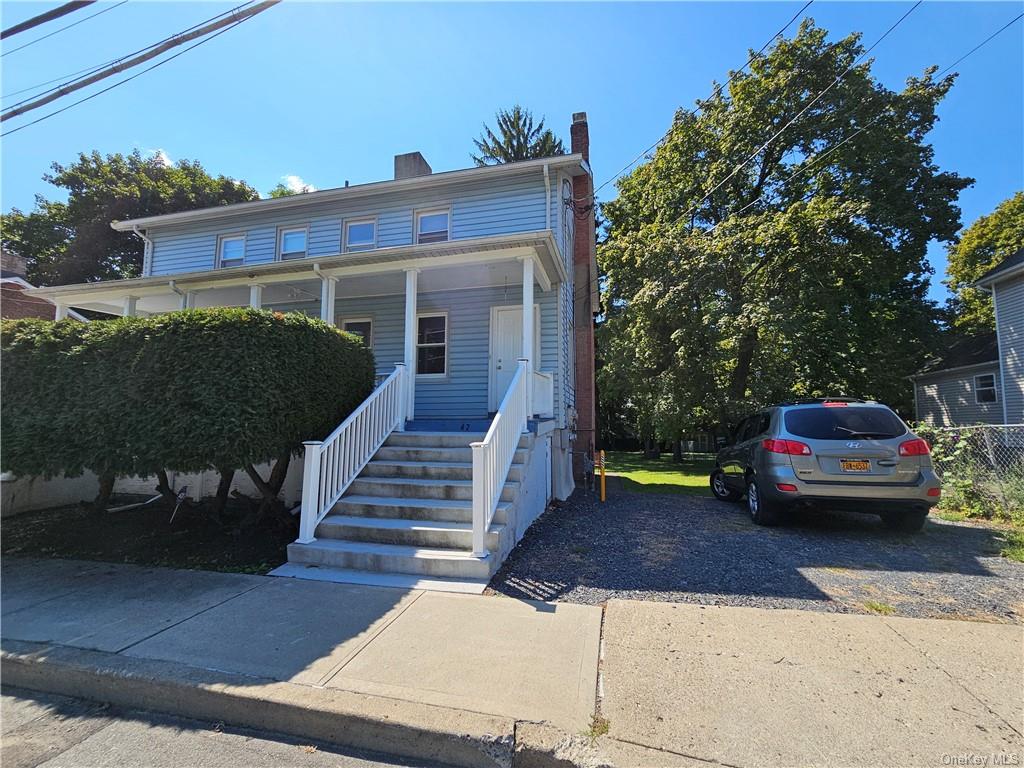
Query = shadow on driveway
x=699 y=550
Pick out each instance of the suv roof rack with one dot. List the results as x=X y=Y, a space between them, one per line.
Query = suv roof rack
x=819 y=400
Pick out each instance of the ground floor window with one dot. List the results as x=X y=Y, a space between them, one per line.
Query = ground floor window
x=432 y=345
x=361 y=327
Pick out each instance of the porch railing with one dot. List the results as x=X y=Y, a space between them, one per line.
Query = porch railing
x=331 y=465
x=492 y=457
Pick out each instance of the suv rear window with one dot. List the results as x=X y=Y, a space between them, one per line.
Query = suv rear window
x=843 y=423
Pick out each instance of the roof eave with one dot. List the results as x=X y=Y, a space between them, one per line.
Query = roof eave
x=571 y=162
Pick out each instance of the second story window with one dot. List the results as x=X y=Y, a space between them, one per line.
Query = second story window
x=230 y=250
x=360 y=235
x=432 y=226
x=292 y=243
x=985 y=389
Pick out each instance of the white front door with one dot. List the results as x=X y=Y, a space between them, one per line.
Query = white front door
x=507 y=348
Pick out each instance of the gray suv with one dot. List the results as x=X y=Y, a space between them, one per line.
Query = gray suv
x=840 y=453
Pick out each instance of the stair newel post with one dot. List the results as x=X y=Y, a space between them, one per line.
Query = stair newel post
x=403 y=397
x=310 y=513
x=480 y=498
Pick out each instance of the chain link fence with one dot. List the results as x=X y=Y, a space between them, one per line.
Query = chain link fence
x=982 y=468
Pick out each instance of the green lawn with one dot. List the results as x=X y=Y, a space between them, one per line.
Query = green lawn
x=662 y=475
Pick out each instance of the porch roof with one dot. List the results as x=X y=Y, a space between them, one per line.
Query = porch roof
x=159 y=292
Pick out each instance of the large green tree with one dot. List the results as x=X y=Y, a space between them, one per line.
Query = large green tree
x=982 y=246
x=804 y=273
x=514 y=138
x=72 y=241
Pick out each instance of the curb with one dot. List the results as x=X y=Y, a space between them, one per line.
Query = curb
x=362 y=721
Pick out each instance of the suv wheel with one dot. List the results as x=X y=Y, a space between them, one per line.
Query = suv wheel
x=720 y=488
x=762 y=511
x=904 y=522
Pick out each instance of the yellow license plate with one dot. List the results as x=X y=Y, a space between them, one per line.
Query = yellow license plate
x=854 y=465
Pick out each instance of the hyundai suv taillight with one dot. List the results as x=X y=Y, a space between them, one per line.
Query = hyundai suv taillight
x=917 y=447
x=791 y=447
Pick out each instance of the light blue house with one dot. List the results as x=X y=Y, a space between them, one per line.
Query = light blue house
x=462 y=283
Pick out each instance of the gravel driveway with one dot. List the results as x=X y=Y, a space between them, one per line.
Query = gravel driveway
x=695 y=549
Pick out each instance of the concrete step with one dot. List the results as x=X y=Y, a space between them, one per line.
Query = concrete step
x=430 y=470
x=417 y=533
x=440 y=510
x=461 y=490
x=376 y=579
x=395 y=558
x=434 y=439
x=411 y=453
x=441 y=439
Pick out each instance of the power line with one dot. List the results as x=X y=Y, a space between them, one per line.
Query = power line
x=68 y=26
x=98 y=67
x=127 y=79
x=173 y=42
x=700 y=104
x=42 y=18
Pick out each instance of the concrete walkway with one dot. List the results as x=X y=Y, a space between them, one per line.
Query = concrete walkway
x=510 y=658
x=490 y=681
x=692 y=685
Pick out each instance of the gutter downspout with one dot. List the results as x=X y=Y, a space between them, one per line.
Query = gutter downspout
x=547 y=198
x=147 y=253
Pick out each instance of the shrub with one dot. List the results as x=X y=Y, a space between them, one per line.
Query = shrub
x=194 y=390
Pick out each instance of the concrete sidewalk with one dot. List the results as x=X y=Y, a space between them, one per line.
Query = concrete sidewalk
x=505 y=659
x=692 y=685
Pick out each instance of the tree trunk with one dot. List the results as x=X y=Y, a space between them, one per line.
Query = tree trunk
x=163 y=487
x=104 y=492
x=227 y=474
x=744 y=360
x=271 y=488
x=652 y=449
x=677 y=450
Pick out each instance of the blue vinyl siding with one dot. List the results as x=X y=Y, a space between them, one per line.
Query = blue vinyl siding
x=462 y=393
x=478 y=210
x=1009 y=299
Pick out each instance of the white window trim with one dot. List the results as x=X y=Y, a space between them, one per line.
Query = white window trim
x=360 y=220
x=994 y=388
x=419 y=213
x=369 y=340
x=230 y=236
x=438 y=313
x=280 y=241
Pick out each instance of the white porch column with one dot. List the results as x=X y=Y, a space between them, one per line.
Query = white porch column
x=129 y=306
x=188 y=300
x=256 y=295
x=528 y=351
x=410 y=340
x=60 y=312
x=328 y=290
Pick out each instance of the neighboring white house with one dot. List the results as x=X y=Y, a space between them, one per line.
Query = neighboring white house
x=980 y=379
x=462 y=283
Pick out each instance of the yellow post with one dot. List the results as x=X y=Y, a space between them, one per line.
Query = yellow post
x=602 y=477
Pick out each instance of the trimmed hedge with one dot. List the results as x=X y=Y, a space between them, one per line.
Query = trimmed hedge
x=211 y=388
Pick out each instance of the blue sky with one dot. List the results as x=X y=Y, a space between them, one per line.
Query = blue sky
x=329 y=92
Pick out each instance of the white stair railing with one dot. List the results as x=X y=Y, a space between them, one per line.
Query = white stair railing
x=492 y=457
x=331 y=465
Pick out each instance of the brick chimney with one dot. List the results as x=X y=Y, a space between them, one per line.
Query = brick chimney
x=584 y=309
x=12 y=264
x=410 y=165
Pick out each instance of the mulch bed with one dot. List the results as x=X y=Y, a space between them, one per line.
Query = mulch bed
x=145 y=536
